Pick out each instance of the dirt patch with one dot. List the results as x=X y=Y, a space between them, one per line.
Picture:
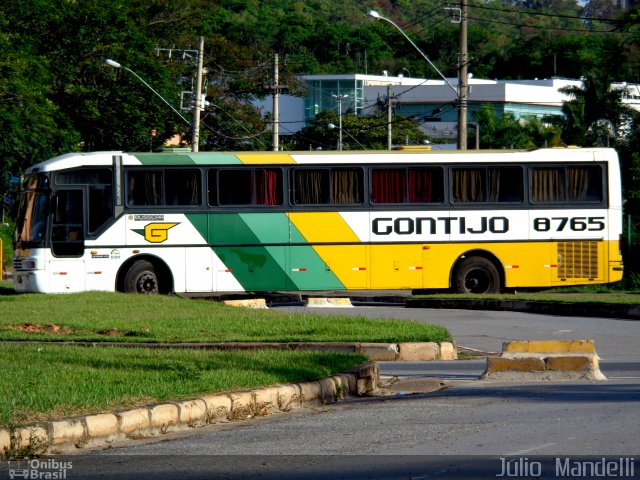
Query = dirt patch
x=50 y=328
x=112 y=332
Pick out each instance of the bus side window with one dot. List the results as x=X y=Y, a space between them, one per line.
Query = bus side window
x=426 y=185
x=234 y=187
x=347 y=186
x=548 y=185
x=144 y=187
x=505 y=184
x=389 y=185
x=487 y=184
x=468 y=185
x=585 y=184
x=182 y=187
x=311 y=186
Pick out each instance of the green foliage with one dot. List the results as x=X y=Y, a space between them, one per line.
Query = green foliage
x=507 y=132
x=6 y=238
x=57 y=95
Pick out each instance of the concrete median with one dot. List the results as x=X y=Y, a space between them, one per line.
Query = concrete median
x=545 y=360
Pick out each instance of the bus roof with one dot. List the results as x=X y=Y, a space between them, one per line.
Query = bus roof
x=362 y=157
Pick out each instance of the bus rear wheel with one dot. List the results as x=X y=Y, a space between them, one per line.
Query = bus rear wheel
x=477 y=275
x=142 y=278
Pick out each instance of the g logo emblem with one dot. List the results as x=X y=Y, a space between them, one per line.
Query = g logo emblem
x=157 y=232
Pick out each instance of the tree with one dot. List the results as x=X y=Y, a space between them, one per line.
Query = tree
x=506 y=131
x=595 y=114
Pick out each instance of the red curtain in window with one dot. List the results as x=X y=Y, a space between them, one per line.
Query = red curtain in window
x=266 y=187
x=389 y=186
x=420 y=186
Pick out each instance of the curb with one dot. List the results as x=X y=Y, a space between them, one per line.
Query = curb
x=569 y=309
x=388 y=352
x=545 y=360
x=328 y=302
x=101 y=430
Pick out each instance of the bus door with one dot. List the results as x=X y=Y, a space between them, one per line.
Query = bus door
x=67 y=268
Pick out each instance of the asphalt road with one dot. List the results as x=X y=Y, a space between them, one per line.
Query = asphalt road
x=462 y=431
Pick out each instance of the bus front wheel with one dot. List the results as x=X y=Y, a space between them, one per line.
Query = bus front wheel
x=477 y=275
x=142 y=278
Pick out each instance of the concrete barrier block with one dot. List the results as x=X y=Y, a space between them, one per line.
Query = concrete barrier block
x=572 y=364
x=418 y=351
x=164 y=416
x=193 y=412
x=379 y=352
x=448 y=351
x=501 y=364
x=218 y=407
x=549 y=346
x=310 y=393
x=67 y=432
x=257 y=303
x=328 y=302
x=101 y=426
x=133 y=421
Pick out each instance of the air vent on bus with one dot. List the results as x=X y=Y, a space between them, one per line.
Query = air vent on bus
x=577 y=260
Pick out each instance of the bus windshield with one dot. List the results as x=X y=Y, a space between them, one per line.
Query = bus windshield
x=33 y=212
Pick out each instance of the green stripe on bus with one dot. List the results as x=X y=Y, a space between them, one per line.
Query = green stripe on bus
x=205 y=158
x=245 y=244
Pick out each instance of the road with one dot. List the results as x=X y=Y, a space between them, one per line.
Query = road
x=462 y=431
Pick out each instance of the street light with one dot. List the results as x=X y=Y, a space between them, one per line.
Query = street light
x=459 y=92
x=340 y=98
x=332 y=126
x=114 y=64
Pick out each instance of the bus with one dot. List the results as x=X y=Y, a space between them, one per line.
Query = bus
x=255 y=222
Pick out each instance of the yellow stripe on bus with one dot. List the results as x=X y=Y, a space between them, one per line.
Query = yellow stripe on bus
x=263 y=158
x=347 y=262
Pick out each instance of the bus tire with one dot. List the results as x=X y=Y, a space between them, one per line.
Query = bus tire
x=142 y=278
x=477 y=275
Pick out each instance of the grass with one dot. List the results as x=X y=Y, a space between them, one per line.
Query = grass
x=51 y=381
x=101 y=316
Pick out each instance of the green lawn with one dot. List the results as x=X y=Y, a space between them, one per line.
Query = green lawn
x=51 y=381
x=99 y=316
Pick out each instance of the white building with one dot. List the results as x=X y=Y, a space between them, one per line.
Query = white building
x=433 y=102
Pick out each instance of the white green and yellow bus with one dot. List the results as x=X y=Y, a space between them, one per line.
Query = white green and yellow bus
x=476 y=221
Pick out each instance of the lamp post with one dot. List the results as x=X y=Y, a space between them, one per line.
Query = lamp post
x=114 y=64
x=331 y=126
x=460 y=92
x=340 y=98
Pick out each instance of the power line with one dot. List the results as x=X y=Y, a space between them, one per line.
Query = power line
x=543 y=14
x=544 y=27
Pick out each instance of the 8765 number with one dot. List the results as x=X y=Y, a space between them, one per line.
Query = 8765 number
x=561 y=224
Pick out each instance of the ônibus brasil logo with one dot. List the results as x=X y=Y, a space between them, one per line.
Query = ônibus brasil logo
x=155 y=232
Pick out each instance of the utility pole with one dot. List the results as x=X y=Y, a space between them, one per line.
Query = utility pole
x=463 y=87
x=198 y=103
x=276 y=105
x=389 y=118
